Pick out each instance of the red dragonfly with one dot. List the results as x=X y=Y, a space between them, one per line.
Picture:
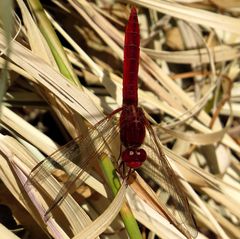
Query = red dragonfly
x=137 y=138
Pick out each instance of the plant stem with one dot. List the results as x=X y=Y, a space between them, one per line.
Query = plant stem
x=54 y=43
x=115 y=184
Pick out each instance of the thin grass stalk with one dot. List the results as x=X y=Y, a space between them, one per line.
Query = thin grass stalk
x=55 y=45
x=115 y=184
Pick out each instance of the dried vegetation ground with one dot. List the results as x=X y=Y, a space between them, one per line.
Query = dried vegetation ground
x=54 y=86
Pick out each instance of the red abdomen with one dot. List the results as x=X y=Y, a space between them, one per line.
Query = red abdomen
x=131 y=60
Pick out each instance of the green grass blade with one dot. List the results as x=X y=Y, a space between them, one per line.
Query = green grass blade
x=7 y=19
x=115 y=184
x=54 y=43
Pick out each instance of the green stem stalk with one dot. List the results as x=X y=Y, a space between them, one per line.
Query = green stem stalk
x=54 y=43
x=115 y=184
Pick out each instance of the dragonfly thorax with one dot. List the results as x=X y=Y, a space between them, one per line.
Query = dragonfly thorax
x=134 y=157
x=132 y=126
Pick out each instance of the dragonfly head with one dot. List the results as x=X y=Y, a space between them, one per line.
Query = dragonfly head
x=134 y=157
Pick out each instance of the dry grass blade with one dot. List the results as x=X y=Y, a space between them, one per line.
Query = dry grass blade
x=52 y=80
x=37 y=42
x=101 y=223
x=15 y=123
x=198 y=16
x=15 y=154
x=6 y=233
x=220 y=53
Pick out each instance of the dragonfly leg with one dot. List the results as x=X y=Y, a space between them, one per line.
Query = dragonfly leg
x=120 y=168
x=124 y=171
x=119 y=161
x=129 y=174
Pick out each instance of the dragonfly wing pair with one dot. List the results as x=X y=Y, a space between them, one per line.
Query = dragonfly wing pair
x=158 y=164
x=75 y=158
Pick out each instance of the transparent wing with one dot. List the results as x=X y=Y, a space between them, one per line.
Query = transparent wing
x=169 y=182
x=76 y=157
